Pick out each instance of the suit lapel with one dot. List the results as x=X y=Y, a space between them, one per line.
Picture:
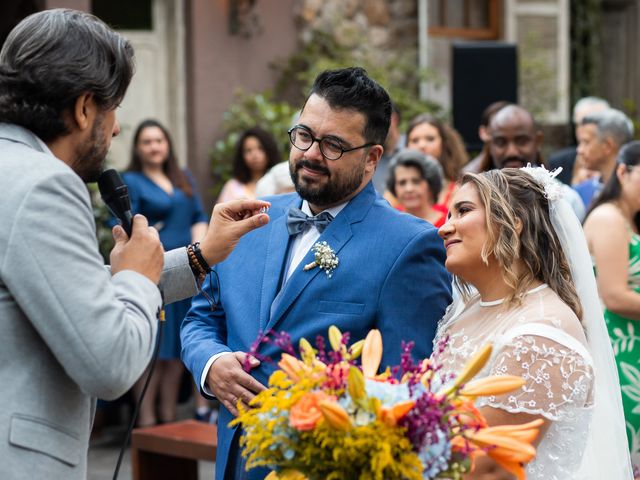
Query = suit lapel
x=274 y=264
x=337 y=235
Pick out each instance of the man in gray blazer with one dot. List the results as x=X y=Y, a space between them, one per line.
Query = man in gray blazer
x=70 y=330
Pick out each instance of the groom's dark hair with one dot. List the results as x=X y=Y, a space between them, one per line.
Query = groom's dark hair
x=352 y=89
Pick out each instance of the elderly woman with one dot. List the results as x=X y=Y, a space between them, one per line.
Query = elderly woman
x=415 y=180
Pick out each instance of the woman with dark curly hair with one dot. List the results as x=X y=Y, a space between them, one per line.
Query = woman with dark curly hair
x=256 y=152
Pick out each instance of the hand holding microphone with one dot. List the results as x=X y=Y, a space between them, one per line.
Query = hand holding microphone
x=138 y=246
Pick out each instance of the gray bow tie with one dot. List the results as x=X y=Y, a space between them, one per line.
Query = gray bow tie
x=297 y=220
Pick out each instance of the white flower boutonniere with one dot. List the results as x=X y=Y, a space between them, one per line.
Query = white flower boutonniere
x=326 y=259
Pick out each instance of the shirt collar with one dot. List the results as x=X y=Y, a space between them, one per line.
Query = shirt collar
x=334 y=211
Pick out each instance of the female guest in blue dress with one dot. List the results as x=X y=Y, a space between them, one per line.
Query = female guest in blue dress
x=166 y=195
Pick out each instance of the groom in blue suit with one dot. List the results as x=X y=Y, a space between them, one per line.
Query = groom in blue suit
x=390 y=274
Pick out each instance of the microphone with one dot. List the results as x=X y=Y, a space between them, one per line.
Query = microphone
x=115 y=195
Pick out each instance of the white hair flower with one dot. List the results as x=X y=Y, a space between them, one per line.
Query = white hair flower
x=547 y=179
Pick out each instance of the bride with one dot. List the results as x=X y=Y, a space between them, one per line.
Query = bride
x=511 y=237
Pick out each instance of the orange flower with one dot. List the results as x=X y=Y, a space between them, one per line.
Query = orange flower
x=335 y=415
x=372 y=353
x=291 y=366
x=509 y=445
x=493 y=385
x=469 y=415
x=391 y=415
x=306 y=413
x=470 y=369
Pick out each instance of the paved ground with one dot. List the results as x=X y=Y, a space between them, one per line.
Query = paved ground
x=105 y=448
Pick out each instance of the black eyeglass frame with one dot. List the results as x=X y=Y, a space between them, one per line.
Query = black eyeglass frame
x=320 y=140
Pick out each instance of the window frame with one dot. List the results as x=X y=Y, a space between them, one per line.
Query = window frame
x=491 y=32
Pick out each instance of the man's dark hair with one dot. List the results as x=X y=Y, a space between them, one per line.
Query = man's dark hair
x=53 y=57
x=352 y=89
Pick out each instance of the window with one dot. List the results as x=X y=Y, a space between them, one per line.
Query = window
x=472 y=19
x=124 y=14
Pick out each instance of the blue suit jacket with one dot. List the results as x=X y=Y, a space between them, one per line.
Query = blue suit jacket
x=391 y=277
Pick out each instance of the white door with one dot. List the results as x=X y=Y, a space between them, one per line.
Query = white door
x=541 y=30
x=157 y=88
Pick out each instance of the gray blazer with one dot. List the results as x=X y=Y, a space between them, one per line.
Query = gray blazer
x=69 y=331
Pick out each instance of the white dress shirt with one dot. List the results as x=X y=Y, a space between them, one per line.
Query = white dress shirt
x=301 y=245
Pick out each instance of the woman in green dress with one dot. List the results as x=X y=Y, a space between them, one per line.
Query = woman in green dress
x=612 y=229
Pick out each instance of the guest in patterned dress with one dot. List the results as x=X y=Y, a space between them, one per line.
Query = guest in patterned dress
x=612 y=228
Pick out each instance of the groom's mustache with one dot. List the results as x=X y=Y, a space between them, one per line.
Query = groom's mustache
x=313 y=167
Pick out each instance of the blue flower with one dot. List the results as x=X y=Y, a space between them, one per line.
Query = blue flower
x=435 y=455
x=389 y=394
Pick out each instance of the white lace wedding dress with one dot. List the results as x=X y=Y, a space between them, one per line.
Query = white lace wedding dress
x=542 y=341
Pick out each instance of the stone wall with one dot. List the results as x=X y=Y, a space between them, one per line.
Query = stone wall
x=384 y=26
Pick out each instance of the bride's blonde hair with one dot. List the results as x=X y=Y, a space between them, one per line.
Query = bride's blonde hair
x=512 y=200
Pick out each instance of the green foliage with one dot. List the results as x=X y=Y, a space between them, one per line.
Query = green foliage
x=631 y=110
x=537 y=80
x=586 y=39
x=101 y=215
x=397 y=72
x=249 y=111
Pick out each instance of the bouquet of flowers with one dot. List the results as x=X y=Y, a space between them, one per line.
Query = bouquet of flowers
x=326 y=415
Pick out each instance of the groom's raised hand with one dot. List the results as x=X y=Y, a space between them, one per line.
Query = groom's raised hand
x=229 y=382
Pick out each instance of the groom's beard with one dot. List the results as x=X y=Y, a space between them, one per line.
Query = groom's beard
x=333 y=188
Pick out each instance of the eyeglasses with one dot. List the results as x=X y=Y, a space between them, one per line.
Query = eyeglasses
x=330 y=147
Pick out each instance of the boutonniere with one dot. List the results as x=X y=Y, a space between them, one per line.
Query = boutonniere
x=326 y=259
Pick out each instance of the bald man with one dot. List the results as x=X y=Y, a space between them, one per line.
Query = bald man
x=515 y=141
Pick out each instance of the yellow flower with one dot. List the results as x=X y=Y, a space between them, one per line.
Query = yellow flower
x=356 y=386
x=471 y=368
x=355 y=350
x=286 y=475
x=335 y=338
x=335 y=415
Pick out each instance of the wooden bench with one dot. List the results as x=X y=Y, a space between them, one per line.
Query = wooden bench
x=171 y=451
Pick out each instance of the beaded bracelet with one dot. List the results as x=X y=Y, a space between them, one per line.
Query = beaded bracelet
x=196 y=267
x=198 y=253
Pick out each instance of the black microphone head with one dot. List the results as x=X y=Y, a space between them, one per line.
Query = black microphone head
x=115 y=195
x=110 y=182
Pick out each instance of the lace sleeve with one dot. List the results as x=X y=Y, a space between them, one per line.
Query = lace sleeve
x=556 y=368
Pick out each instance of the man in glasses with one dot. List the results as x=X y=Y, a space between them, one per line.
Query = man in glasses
x=382 y=269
